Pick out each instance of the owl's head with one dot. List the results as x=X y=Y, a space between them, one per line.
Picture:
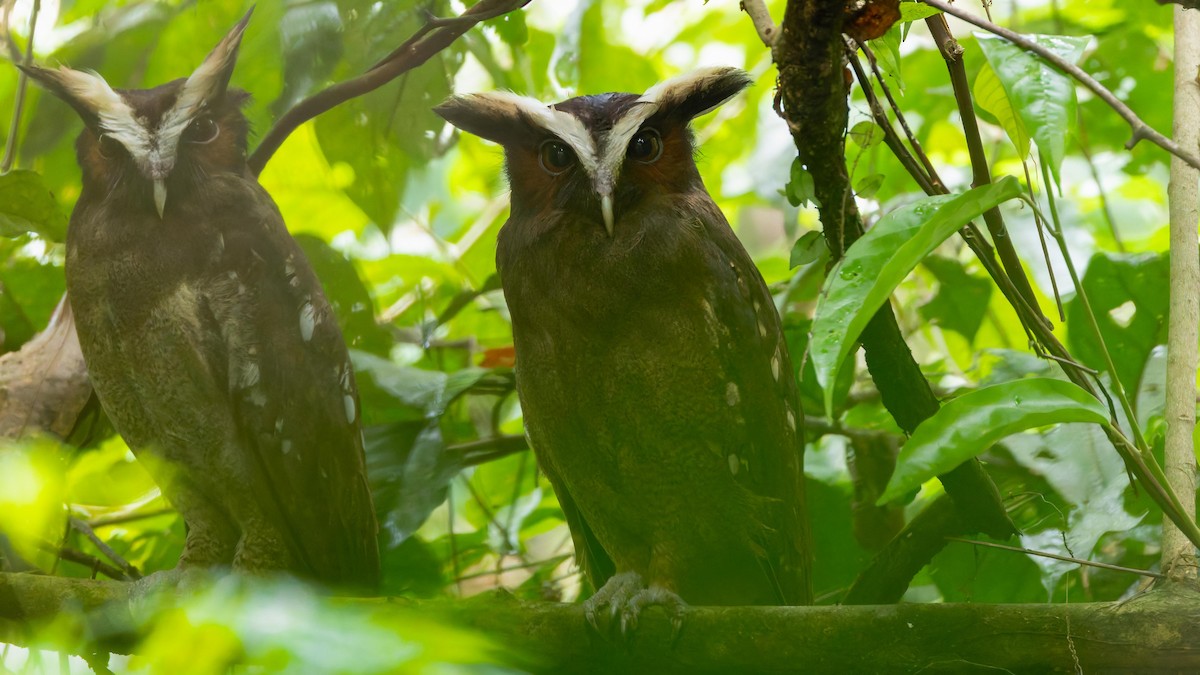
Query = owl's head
x=142 y=141
x=595 y=157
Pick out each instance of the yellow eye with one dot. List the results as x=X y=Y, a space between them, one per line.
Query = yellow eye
x=646 y=146
x=555 y=157
x=202 y=130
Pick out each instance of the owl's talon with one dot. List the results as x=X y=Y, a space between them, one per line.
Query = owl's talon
x=626 y=595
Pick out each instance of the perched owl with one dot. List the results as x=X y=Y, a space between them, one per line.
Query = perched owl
x=205 y=331
x=652 y=371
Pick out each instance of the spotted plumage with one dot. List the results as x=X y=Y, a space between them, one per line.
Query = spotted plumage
x=206 y=334
x=651 y=366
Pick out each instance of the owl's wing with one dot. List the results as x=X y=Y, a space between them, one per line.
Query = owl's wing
x=295 y=399
x=754 y=355
x=591 y=557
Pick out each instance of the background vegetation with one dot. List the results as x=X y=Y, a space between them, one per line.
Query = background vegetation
x=399 y=215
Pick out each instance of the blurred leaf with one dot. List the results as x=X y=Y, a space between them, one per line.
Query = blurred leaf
x=875 y=264
x=866 y=134
x=409 y=470
x=311 y=36
x=800 y=189
x=1129 y=294
x=868 y=186
x=991 y=97
x=962 y=299
x=967 y=425
x=27 y=206
x=807 y=249
x=1043 y=97
x=31 y=494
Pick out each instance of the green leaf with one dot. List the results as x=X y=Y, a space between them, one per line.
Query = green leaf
x=962 y=299
x=971 y=423
x=990 y=96
x=1043 y=97
x=866 y=134
x=807 y=249
x=1129 y=294
x=916 y=11
x=868 y=186
x=27 y=206
x=887 y=53
x=879 y=261
x=801 y=190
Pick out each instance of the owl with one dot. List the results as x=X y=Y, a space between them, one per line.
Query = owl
x=206 y=334
x=651 y=367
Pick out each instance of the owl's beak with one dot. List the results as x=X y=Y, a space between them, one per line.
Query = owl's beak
x=606 y=210
x=160 y=196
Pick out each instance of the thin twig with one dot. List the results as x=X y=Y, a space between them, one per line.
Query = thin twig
x=433 y=37
x=14 y=130
x=91 y=562
x=1055 y=556
x=890 y=137
x=760 y=16
x=1140 y=129
x=1105 y=208
x=84 y=529
x=917 y=150
x=128 y=517
x=951 y=53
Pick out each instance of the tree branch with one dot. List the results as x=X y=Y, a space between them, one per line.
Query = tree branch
x=1140 y=129
x=431 y=38
x=1158 y=631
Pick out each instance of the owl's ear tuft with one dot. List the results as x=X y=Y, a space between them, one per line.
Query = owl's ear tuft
x=211 y=79
x=86 y=92
x=698 y=92
x=499 y=116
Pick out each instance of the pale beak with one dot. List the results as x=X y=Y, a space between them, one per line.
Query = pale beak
x=606 y=209
x=160 y=196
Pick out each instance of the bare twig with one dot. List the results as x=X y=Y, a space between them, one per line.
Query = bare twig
x=1054 y=556
x=434 y=36
x=83 y=528
x=79 y=557
x=14 y=130
x=981 y=173
x=760 y=16
x=1140 y=129
x=128 y=517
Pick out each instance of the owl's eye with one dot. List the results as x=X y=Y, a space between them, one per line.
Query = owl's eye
x=110 y=148
x=555 y=157
x=202 y=130
x=646 y=146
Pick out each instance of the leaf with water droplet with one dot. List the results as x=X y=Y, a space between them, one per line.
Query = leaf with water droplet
x=875 y=264
x=971 y=423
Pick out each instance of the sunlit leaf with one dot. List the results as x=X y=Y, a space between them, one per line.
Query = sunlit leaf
x=1044 y=98
x=27 y=206
x=969 y=424
x=876 y=263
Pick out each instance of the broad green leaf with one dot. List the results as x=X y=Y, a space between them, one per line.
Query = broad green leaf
x=887 y=53
x=990 y=96
x=916 y=11
x=807 y=248
x=971 y=423
x=866 y=134
x=1043 y=97
x=868 y=186
x=1129 y=295
x=800 y=189
x=962 y=298
x=879 y=261
x=27 y=206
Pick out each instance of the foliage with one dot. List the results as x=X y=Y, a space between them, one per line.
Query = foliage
x=399 y=215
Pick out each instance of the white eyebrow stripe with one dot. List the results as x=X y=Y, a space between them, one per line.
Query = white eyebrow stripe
x=617 y=140
x=195 y=92
x=114 y=114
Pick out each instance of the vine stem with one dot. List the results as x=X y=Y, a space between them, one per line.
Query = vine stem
x=10 y=144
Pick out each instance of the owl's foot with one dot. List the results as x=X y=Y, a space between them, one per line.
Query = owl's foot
x=626 y=595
